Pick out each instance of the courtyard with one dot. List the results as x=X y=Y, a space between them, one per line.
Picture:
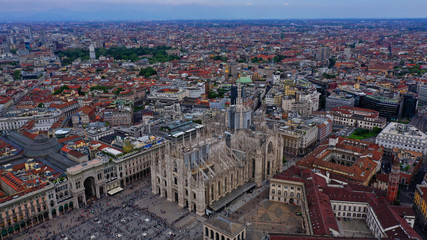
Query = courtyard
x=262 y=216
x=354 y=228
x=275 y=217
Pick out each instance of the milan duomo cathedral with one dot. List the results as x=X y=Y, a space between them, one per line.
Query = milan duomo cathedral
x=207 y=171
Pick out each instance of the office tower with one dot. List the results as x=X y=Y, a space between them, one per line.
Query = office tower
x=334 y=101
x=323 y=53
x=409 y=106
x=388 y=107
x=422 y=94
x=30 y=34
x=92 y=52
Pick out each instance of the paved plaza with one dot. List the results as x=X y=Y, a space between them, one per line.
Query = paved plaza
x=354 y=228
x=262 y=216
x=276 y=217
x=135 y=213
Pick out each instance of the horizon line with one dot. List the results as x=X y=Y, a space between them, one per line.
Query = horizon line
x=215 y=19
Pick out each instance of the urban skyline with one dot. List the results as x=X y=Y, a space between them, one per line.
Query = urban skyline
x=120 y=123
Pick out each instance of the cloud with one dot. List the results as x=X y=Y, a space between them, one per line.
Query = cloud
x=135 y=2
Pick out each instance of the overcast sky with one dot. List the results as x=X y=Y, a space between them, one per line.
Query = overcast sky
x=13 y=10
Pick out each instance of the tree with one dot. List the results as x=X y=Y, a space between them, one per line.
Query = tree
x=212 y=94
x=256 y=59
x=328 y=76
x=60 y=90
x=103 y=88
x=41 y=105
x=332 y=62
x=402 y=62
x=17 y=75
x=118 y=90
x=65 y=87
x=79 y=91
x=416 y=69
x=377 y=130
x=221 y=58
x=147 y=72
x=127 y=147
x=278 y=58
x=69 y=55
x=221 y=92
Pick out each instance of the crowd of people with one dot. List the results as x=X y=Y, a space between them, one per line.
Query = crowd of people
x=113 y=217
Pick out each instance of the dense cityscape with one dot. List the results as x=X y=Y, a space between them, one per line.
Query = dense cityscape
x=214 y=130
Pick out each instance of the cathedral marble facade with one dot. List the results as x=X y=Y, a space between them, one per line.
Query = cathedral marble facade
x=213 y=169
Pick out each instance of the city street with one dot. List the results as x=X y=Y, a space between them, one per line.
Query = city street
x=407 y=194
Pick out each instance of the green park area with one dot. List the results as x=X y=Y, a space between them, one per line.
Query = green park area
x=361 y=133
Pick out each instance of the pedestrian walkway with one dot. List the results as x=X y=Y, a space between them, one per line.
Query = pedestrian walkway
x=245 y=198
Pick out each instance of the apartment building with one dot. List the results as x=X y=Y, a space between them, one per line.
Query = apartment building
x=299 y=136
x=324 y=200
x=357 y=117
x=402 y=136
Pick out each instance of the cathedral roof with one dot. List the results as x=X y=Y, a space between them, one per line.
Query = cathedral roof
x=225 y=225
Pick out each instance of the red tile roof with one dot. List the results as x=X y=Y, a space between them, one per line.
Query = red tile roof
x=382 y=177
x=319 y=194
x=361 y=169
